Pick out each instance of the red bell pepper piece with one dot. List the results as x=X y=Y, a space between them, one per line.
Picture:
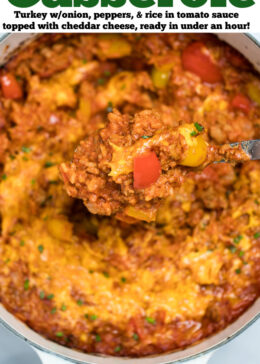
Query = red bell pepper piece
x=147 y=170
x=195 y=60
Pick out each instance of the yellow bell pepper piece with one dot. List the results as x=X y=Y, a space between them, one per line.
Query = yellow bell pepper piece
x=161 y=76
x=113 y=46
x=140 y=214
x=196 y=153
x=253 y=90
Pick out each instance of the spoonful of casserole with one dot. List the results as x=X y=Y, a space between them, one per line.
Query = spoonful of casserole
x=128 y=167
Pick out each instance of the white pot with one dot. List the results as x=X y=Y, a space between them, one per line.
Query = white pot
x=50 y=352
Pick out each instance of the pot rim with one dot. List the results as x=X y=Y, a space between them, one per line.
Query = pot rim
x=10 y=322
x=213 y=342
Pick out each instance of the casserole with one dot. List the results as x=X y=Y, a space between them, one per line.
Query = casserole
x=171 y=357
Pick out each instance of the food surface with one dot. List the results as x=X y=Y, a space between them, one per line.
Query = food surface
x=130 y=165
x=96 y=283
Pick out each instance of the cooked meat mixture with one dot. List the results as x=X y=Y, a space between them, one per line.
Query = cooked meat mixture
x=99 y=284
x=130 y=165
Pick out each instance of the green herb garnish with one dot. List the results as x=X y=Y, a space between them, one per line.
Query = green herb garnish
x=107 y=73
x=84 y=61
x=238 y=271
x=135 y=337
x=48 y=164
x=53 y=310
x=146 y=136
x=42 y=295
x=109 y=107
x=193 y=133
x=199 y=127
x=241 y=253
x=98 y=338
x=22 y=243
x=26 y=149
x=41 y=248
x=150 y=320
x=63 y=307
x=59 y=334
x=4 y=177
x=79 y=302
x=33 y=181
x=123 y=279
x=101 y=81
x=117 y=348
x=50 y=296
x=93 y=317
x=106 y=274
x=257 y=235
x=237 y=239
x=26 y=284
x=232 y=248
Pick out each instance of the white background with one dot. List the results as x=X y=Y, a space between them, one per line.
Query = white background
x=246 y=15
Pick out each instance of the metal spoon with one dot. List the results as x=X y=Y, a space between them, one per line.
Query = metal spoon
x=250 y=147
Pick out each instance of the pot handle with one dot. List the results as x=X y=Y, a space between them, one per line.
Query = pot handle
x=47 y=358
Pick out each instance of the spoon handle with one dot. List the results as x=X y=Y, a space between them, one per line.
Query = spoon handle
x=251 y=148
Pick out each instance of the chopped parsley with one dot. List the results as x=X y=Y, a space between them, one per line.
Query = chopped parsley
x=41 y=248
x=123 y=279
x=4 y=177
x=146 y=136
x=59 y=334
x=257 y=235
x=193 y=133
x=53 y=310
x=117 y=348
x=150 y=320
x=7 y=261
x=199 y=127
x=53 y=182
x=241 y=253
x=48 y=164
x=12 y=157
x=232 y=248
x=50 y=296
x=106 y=274
x=26 y=149
x=107 y=73
x=257 y=202
x=84 y=61
x=25 y=159
x=109 y=107
x=98 y=338
x=91 y=271
x=26 y=284
x=63 y=307
x=33 y=181
x=135 y=337
x=42 y=295
x=80 y=302
x=238 y=271
x=22 y=243
x=100 y=81
x=93 y=317
x=237 y=239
